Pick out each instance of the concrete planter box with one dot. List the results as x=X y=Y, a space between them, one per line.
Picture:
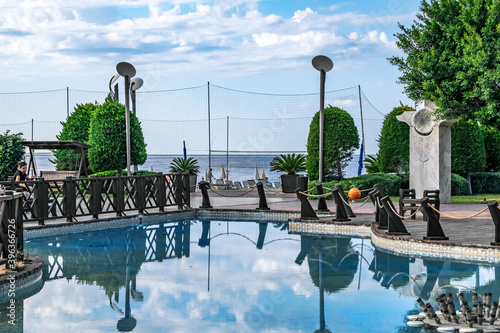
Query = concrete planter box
x=192 y=183
x=289 y=183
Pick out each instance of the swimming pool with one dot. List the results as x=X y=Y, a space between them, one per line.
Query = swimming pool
x=231 y=276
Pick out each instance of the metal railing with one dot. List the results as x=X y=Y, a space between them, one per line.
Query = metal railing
x=11 y=227
x=74 y=197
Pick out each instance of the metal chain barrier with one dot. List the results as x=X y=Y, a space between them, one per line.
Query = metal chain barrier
x=232 y=196
x=406 y=217
x=454 y=217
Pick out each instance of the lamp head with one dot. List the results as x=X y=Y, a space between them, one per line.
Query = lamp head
x=321 y=62
x=136 y=83
x=125 y=69
x=113 y=79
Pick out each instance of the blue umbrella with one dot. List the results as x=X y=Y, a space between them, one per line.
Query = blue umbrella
x=360 y=163
x=185 y=153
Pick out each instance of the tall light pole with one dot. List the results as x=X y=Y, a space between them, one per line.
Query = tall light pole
x=127 y=71
x=323 y=64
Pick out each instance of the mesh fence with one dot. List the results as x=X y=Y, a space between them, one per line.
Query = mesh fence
x=238 y=121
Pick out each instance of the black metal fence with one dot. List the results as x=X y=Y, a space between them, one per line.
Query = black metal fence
x=74 y=197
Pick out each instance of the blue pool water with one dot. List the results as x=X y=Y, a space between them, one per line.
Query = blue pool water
x=223 y=276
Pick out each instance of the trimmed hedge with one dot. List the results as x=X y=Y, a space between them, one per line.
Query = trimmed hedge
x=110 y=173
x=485 y=182
x=459 y=185
x=390 y=183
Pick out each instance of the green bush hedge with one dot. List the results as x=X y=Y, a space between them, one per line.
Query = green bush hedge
x=110 y=173
x=459 y=185
x=390 y=183
x=485 y=182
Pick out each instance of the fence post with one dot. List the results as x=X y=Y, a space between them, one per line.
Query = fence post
x=178 y=189
x=204 y=186
x=140 y=193
x=69 y=198
x=348 y=208
x=95 y=196
x=306 y=210
x=340 y=207
x=186 y=189
x=40 y=202
x=262 y=197
x=434 y=230
x=396 y=226
x=322 y=207
x=119 y=195
x=495 y=215
x=161 y=196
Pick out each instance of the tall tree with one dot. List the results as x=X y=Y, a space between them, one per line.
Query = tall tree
x=11 y=152
x=452 y=58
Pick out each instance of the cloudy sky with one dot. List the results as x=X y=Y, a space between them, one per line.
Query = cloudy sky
x=260 y=46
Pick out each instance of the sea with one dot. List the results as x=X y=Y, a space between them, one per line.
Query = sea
x=239 y=167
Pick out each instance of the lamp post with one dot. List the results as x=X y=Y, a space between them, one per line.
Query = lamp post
x=323 y=64
x=127 y=71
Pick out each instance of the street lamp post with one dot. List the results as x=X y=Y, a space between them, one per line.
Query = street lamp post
x=323 y=64
x=127 y=71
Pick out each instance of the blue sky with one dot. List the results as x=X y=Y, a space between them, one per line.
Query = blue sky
x=259 y=46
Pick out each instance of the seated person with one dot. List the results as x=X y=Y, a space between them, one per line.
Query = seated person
x=20 y=176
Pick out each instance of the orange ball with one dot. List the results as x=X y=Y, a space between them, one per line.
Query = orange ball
x=354 y=193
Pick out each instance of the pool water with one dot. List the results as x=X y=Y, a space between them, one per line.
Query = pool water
x=231 y=276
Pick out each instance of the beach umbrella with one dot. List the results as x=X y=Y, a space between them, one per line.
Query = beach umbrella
x=185 y=152
x=256 y=176
x=263 y=175
x=151 y=168
x=223 y=174
x=206 y=175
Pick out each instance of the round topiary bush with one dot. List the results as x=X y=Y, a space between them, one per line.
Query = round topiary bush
x=394 y=143
x=340 y=140
x=459 y=185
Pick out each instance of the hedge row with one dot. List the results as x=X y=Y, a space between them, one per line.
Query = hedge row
x=485 y=182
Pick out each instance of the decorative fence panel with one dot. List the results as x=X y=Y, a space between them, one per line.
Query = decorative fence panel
x=75 y=197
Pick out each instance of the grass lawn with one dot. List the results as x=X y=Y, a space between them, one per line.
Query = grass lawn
x=468 y=199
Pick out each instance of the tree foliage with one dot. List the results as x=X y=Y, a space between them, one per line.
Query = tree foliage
x=467 y=148
x=491 y=138
x=11 y=152
x=452 y=58
x=340 y=140
x=394 y=143
x=75 y=128
x=108 y=138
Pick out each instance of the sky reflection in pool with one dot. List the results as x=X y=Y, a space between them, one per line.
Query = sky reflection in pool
x=218 y=276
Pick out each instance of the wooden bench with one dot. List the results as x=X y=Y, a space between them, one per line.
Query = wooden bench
x=408 y=202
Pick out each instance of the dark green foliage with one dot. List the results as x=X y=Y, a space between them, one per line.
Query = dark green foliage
x=390 y=183
x=491 y=138
x=459 y=185
x=111 y=173
x=452 y=58
x=76 y=128
x=11 y=152
x=340 y=140
x=485 y=182
x=467 y=148
x=372 y=163
x=394 y=143
x=182 y=165
x=108 y=138
x=291 y=164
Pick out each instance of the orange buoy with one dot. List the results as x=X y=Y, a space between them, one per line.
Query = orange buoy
x=354 y=193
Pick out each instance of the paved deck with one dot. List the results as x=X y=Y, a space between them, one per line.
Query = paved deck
x=476 y=230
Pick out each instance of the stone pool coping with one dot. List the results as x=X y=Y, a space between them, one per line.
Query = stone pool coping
x=405 y=245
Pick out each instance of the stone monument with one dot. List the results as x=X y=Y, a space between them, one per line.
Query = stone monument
x=430 y=151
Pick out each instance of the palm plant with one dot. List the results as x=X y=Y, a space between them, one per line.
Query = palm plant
x=372 y=164
x=291 y=164
x=182 y=165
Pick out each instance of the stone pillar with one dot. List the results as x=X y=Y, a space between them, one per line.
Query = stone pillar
x=430 y=151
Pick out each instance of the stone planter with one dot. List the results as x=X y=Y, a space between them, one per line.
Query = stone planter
x=289 y=183
x=192 y=183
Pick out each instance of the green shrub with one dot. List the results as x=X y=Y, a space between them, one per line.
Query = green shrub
x=11 y=152
x=485 y=182
x=340 y=140
x=467 y=148
x=111 y=173
x=394 y=143
x=108 y=138
x=390 y=183
x=491 y=138
x=76 y=128
x=459 y=185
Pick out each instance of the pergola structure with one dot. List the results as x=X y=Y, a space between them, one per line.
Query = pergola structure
x=52 y=145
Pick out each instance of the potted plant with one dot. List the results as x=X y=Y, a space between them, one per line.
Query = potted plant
x=190 y=165
x=291 y=164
